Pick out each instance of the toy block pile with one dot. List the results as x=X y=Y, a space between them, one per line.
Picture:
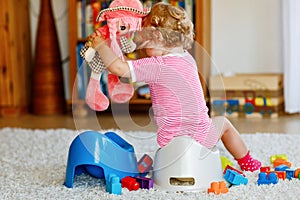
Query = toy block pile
x=281 y=169
x=114 y=185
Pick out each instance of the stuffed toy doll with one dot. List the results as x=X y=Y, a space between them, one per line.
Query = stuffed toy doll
x=123 y=17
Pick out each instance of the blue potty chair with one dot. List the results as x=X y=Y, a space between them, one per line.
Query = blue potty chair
x=100 y=155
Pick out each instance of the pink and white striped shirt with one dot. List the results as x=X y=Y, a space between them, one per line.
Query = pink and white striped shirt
x=177 y=97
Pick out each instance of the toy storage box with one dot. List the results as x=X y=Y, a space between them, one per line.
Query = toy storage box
x=246 y=95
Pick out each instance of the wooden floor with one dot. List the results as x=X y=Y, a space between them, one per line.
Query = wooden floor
x=142 y=121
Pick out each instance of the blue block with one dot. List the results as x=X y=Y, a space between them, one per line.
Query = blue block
x=263 y=178
x=281 y=168
x=235 y=178
x=272 y=177
x=290 y=173
x=113 y=185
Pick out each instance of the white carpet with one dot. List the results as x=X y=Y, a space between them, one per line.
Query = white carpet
x=33 y=164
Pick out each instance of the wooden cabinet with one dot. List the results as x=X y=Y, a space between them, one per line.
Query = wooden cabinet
x=202 y=30
x=15 y=57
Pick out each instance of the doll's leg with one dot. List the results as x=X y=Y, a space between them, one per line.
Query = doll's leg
x=235 y=145
x=119 y=92
x=94 y=98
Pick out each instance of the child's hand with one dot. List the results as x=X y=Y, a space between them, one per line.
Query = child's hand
x=95 y=40
x=90 y=40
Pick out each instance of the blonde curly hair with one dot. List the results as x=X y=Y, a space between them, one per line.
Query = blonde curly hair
x=168 y=26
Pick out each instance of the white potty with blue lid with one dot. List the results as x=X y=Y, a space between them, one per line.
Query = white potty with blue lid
x=186 y=165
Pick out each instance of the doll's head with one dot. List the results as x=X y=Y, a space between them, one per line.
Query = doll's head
x=123 y=16
x=168 y=26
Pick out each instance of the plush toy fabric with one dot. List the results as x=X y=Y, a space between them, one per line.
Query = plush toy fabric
x=126 y=12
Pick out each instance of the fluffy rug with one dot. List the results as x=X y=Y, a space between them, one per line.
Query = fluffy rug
x=33 y=164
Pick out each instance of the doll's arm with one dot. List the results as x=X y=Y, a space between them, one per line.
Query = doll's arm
x=92 y=58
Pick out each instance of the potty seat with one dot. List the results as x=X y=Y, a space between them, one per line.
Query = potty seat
x=100 y=155
x=186 y=165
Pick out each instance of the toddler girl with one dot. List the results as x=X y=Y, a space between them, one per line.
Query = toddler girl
x=172 y=75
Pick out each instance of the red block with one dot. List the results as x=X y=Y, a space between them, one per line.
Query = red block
x=145 y=164
x=281 y=175
x=130 y=183
x=265 y=169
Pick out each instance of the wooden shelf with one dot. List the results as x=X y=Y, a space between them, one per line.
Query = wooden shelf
x=140 y=101
x=137 y=100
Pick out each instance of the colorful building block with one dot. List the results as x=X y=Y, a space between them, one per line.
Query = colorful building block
x=297 y=173
x=113 y=185
x=145 y=183
x=279 y=161
x=233 y=169
x=218 y=188
x=130 y=183
x=264 y=178
x=281 y=175
x=235 y=178
x=281 y=168
x=225 y=161
x=266 y=169
x=145 y=164
x=290 y=173
x=281 y=156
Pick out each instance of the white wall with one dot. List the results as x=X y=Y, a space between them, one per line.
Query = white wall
x=60 y=11
x=246 y=36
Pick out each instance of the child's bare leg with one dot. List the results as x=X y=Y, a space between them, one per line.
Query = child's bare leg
x=234 y=144
x=230 y=137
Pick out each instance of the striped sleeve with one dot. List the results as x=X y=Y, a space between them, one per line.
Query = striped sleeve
x=146 y=69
